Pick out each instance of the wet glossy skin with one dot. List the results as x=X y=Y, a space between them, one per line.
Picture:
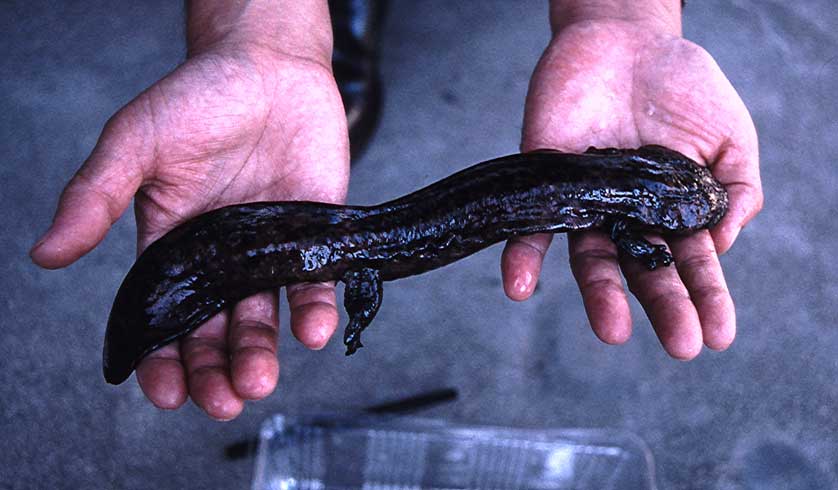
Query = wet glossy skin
x=221 y=257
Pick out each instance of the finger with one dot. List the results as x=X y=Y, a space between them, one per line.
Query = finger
x=96 y=196
x=521 y=264
x=668 y=305
x=205 y=355
x=737 y=168
x=252 y=338
x=314 y=314
x=593 y=261
x=699 y=268
x=745 y=202
x=162 y=378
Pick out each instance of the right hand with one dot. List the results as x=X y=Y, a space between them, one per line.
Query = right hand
x=233 y=124
x=616 y=83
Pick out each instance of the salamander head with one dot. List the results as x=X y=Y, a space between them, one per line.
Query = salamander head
x=686 y=195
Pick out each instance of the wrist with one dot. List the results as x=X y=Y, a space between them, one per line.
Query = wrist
x=662 y=16
x=300 y=28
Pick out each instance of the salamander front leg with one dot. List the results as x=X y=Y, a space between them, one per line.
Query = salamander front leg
x=638 y=247
x=361 y=298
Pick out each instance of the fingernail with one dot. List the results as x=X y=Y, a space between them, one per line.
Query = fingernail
x=39 y=243
x=523 y=283
x=735 y=234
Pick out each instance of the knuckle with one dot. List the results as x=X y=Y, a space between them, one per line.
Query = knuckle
x=710 y=293
x=528 y=244
x=250 y=336
x=199 y=359
x=599 y=285
x=585 y=260
x=662 y=301
x=311 y=293
x=699 y=263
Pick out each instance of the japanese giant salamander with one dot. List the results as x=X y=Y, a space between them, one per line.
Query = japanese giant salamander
x=216 y=259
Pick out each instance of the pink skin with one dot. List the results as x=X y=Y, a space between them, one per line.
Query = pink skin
x=621 y=84
x=242 y=121
x=233 y=124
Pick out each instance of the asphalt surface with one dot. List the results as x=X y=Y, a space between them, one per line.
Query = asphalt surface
x=760 y=415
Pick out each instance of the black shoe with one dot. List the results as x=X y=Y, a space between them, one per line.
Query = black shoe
x=356 y=29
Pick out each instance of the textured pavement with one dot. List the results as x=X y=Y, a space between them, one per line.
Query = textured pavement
x=760 y=415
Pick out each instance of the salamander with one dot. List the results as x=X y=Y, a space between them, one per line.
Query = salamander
x=212 y=261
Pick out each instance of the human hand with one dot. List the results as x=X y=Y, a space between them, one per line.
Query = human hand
x=617 y=83
x=236 y=122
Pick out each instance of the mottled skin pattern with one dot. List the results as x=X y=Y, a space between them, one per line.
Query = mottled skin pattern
x=221 y=257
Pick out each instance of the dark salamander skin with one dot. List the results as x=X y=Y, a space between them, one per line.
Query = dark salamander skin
x=216 y=259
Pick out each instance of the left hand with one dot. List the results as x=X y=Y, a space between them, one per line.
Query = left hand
x=612 y=83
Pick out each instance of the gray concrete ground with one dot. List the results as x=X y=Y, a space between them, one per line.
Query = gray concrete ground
x=761 y=415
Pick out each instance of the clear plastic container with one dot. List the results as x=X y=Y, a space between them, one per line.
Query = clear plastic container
x=408 y=453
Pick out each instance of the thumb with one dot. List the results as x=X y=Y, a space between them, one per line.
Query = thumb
x=737 y=168
x=97 y=195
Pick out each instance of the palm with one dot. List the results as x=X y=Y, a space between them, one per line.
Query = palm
x=613 y=84
x=233 y=134
x=616 y=84
x=227 y=132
